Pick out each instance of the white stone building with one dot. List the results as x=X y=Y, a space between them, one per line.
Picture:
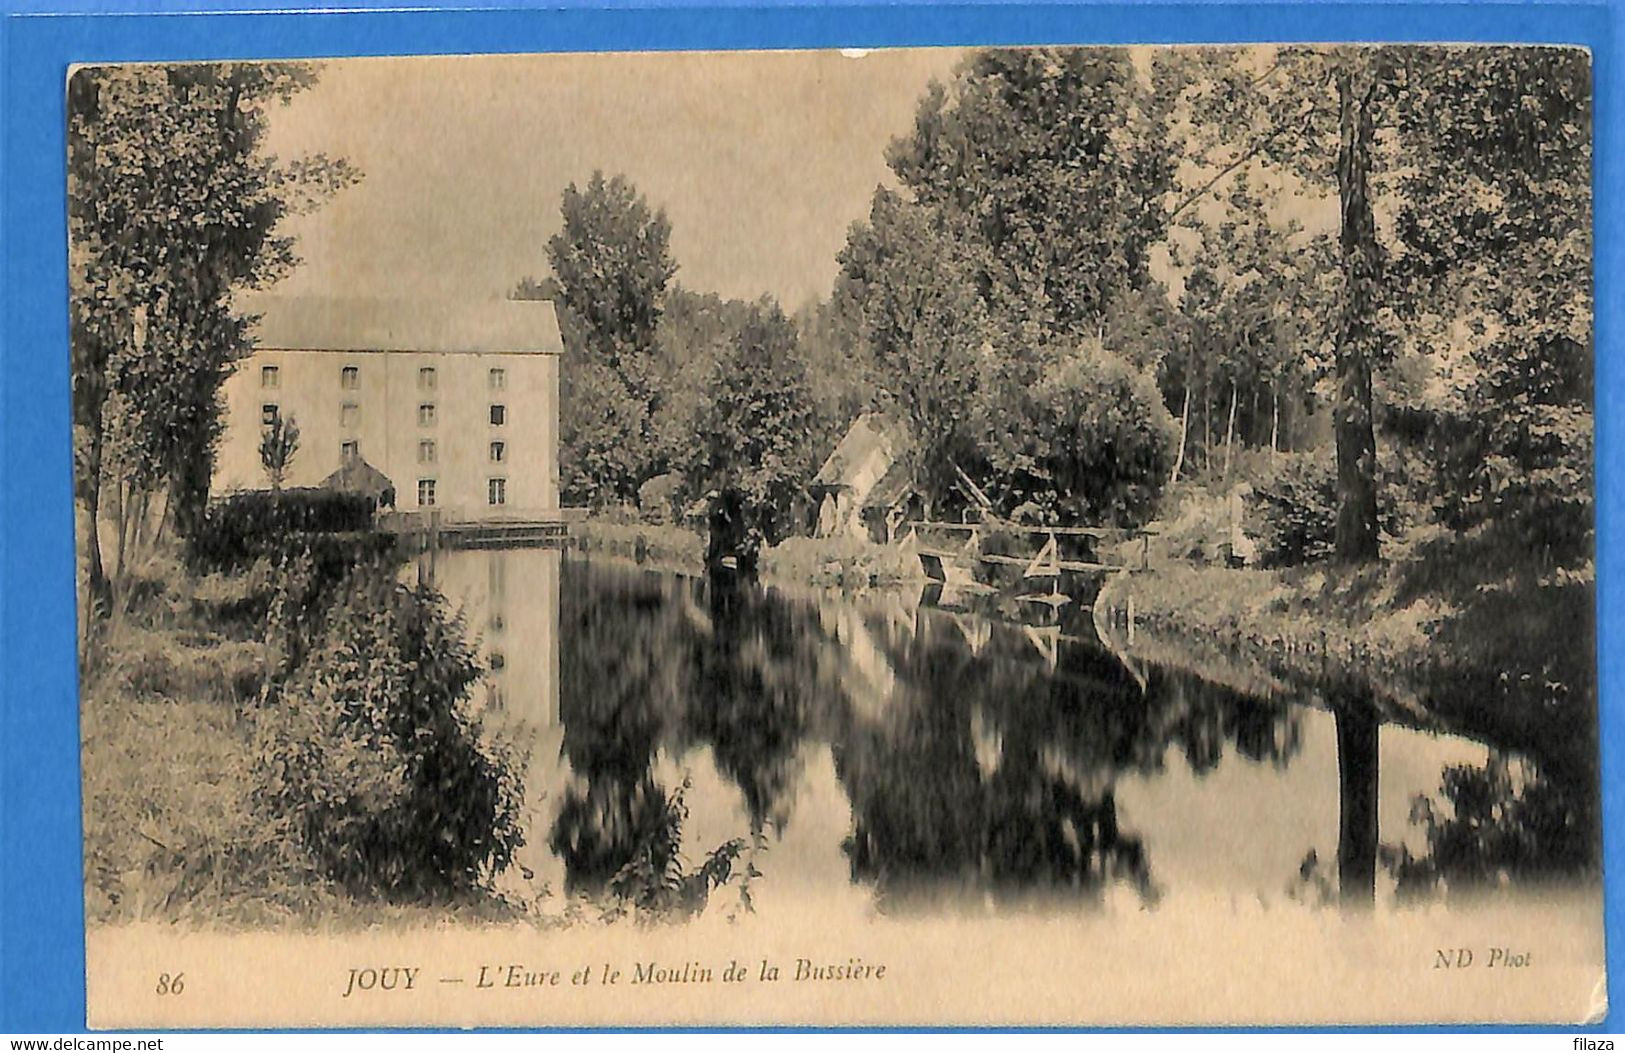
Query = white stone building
x=457 y=403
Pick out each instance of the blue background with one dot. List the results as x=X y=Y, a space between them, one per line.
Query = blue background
x=41 y=905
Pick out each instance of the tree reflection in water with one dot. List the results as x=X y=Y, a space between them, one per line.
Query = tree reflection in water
x=996 y=773
x=755 y=675
x=1500 y=824
x=981 y=760
x=971 y=761
x=622 y=682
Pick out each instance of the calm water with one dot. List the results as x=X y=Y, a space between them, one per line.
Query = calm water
x=897 y=752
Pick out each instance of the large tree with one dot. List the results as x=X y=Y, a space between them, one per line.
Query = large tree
x=1477 y=161
x=173 y=204
x=751 y=435
x=909 y=282
x=1032 y=190
x=1492 y=274
x=611 y=264
x=1055 y=162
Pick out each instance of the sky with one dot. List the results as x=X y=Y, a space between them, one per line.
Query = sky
x=761 y=161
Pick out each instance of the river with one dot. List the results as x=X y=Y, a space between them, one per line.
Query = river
x=904 y=752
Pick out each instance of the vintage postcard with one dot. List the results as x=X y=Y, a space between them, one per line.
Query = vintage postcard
x=1028 y=536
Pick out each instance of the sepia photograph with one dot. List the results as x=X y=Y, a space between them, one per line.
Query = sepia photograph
x=1081 y=536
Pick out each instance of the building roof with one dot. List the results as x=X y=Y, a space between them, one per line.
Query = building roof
x=332 y=323
x=870 y=433
x=893 y=488
x=356 y=476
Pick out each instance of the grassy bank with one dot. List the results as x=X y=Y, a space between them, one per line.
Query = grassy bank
x=1465 y=630
x=172 y=826
x=272 y=745
x=663 y=545
x=818 y=562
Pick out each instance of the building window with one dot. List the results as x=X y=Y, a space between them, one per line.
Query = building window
x=499 y=452
x=426 y=451
x=349 y=414
x=499 y=413
x=426 y=414
x=350 y=378
x=425 y=492
x=496 y=492
x=350 y=451
x=270 y=377
x=499 y=379
x=426 y=378
x=269 y=414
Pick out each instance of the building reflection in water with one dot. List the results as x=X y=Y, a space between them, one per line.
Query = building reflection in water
x=509 y=599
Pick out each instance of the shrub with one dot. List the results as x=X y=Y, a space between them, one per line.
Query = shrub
x=659 y=499
x=1297 y=509
x=1091 y=442
x=372 y=759
x=237 y=529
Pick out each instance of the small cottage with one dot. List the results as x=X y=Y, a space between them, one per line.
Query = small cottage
x=356 y=476
x=863 y=487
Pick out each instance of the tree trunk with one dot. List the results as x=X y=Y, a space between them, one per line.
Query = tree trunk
x=121 y=521
x=143 y=521
x=163 y=521
x=1207 y=424
x=1229 y=432
x=99 y=598
x=1356 y=534
x=1275 y=418
x=1184 y=432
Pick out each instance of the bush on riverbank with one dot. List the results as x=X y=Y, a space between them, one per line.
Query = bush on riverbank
x=179 y=817
x=1295 y=514
x=369 y=757
x=239 y=529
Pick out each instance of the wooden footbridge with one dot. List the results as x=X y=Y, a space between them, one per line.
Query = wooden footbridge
x=956 y=551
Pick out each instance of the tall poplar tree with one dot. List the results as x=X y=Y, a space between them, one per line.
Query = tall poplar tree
x=173 y=204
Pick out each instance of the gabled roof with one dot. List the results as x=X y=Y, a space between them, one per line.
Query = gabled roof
x=356 y=476
x=337 y=323
x=893 y=487
x=870 y=433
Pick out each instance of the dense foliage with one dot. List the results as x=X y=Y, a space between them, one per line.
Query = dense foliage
x=1099 y=273
x=1089 y=442
x=1493 y=274
x=611 y=267
x=237 y=529
x=1298 y=505
x=751 y=436
x=173 y=205
x=369 y=757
